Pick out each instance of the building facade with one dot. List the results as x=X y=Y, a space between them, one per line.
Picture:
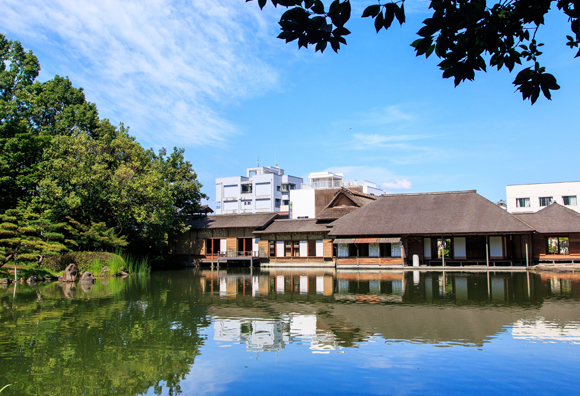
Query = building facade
x=313 y=197
x=528 y=198
x=263 y=189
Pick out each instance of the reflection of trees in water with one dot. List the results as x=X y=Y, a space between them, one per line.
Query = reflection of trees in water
x=121 y=338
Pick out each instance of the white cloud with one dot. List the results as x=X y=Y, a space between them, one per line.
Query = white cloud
x=398 y=184
x=164 y=67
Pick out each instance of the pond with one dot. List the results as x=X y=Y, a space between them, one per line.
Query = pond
x=319 y=332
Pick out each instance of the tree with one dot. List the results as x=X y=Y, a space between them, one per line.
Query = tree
x=28 y=236
x=31 y=114
x=109 y=182
x=467 y=35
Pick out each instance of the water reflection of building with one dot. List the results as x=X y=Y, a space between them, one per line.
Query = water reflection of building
x=346 y=308
x=546 y=331
x=274 y=334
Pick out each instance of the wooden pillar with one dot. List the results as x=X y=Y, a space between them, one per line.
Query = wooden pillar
x=487 y=250
x=527 y=254
x=443 y=250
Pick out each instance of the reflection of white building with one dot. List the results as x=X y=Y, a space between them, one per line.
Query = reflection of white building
x=542 y=330
x=272 y=335
x=260 y=335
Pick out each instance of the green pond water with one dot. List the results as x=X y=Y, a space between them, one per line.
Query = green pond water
x=260 y=332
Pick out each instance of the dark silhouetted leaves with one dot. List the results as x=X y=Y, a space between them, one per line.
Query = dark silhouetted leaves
x=462 y=33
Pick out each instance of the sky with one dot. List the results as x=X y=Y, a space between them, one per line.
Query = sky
x=212 y=77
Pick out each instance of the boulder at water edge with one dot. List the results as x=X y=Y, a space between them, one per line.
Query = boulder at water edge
x=87 y=278
x=5 y=281
x=33 y=280
x=70 y=273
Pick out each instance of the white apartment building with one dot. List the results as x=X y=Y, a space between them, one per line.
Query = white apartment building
x=312 y=197
x=263 y=189
x=522 y=198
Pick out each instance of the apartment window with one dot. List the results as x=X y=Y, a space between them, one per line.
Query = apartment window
x=570 y=200
x=246 y=188
x=277 y=203
x=546 y=201
x=522 y=202
x=247 y=202
x=286 y=202
x=558 y=245
x=278 y=188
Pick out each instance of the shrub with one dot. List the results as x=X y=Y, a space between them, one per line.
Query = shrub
x=85 y=261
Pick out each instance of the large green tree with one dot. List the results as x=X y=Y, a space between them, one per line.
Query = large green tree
x=58 y=160
x=467 y=35
x=110 y=179
x=31 y=114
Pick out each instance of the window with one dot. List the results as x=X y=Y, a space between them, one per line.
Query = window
x=558 y=245
x=570 y=200
x=277 y=203
x=522 y=202
x=546 y=201
x=247 y=203
x=246 y=188
x=278 y=188
x=286 y=202
x=272 y=249
x=212 y=246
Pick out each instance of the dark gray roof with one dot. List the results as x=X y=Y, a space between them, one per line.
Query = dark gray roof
x=456 y=212
x=299 y=225
x=258 y=220
x=552 y=219
x=359 y=199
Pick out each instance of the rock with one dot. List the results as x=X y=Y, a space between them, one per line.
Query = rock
x=88 y=278
x=50 y=278
x=5 y=281
x=123 y=269
x=33 y=280
x=105 y=270
x=60 y=278
x=123 y=274
x=70 y=273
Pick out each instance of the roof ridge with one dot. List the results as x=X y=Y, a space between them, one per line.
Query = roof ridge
x=432 y=193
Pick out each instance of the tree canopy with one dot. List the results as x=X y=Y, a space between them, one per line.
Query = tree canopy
x=61 y=165
x=467 y=35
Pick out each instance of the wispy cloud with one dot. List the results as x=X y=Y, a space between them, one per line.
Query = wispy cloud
x=168 y=67
x=399 y=184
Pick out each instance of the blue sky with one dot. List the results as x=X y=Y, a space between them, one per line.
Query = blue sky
x=213 y=78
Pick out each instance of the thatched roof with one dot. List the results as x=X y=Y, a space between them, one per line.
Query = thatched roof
x=299 y=225
x=552 y=219
x=257 y=220
x=456 y=212
x=333 y=212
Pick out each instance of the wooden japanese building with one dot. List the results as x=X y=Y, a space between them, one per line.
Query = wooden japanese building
x=450 y=227
x=557 y=236
x=231 y=236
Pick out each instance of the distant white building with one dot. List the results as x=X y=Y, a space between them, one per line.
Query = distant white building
x=312 y=197
x=263 y=189
x=522 y=198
